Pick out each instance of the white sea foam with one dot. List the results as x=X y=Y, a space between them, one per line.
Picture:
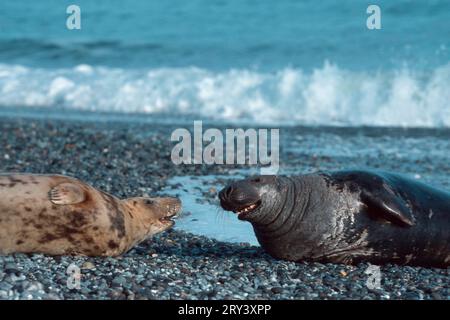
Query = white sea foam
x=324 y=96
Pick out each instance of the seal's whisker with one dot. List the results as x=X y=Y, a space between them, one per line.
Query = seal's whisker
x=220 y=215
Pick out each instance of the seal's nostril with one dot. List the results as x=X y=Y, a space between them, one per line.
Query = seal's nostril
x=228 y=191
x=224 y=195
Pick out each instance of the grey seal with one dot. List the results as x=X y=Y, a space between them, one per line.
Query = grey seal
x=60 y=215
x=345 y=217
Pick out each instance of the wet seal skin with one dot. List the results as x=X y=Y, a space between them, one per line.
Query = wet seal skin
x=345 y=217
x=60 y=215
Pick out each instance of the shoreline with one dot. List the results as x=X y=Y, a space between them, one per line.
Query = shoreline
x=132 y=160
x=121 y=119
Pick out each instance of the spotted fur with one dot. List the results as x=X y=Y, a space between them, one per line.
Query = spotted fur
x=100 y=225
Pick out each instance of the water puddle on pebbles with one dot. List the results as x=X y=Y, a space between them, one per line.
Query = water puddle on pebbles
x=202 y=214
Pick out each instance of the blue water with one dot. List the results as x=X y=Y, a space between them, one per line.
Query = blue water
x=288 y=61
x=208 y=219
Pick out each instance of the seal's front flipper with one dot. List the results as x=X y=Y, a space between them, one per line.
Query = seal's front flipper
x=66 y=193
x=386 y=205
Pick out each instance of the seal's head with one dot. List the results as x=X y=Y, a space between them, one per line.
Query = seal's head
x=155 y=214
x=253 y=197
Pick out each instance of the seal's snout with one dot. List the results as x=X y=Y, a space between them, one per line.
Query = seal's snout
x=240 y=197
x=160 y=210
x=169 y=208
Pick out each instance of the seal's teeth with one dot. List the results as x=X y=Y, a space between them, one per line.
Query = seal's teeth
x=247 y=209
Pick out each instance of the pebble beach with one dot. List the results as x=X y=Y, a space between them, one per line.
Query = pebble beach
x=133 y=159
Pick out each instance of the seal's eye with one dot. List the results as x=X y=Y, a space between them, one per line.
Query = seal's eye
x=149 y=202
x=256 y=180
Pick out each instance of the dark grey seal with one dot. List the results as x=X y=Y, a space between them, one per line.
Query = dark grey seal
x=345 y=217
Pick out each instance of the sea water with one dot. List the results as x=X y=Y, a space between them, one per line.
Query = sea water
x=276 y=62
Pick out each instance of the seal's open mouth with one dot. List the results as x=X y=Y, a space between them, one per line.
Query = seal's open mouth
x=242 y=212
x=170 y=216
x=167 y=219
x=241 y=198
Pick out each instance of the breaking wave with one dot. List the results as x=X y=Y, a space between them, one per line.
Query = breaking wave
x=325 y=96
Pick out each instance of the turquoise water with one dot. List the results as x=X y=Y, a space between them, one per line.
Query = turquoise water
x=288 y=61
